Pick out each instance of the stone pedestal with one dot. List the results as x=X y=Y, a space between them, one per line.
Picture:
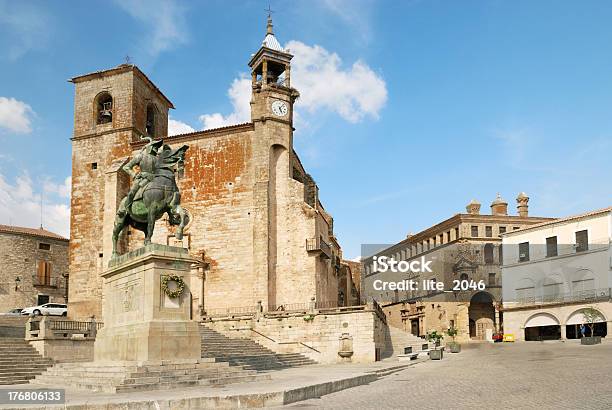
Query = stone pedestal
x=148 y=341
x=141 y=323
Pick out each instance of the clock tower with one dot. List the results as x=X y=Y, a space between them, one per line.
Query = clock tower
x=272 y=97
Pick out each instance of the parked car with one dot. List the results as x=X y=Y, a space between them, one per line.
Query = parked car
x=48 y=309
x=12 y=312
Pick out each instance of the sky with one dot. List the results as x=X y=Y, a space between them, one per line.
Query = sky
x=408 y=109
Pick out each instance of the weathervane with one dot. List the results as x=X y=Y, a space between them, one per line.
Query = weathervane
x=269 y=10
x=128 y=60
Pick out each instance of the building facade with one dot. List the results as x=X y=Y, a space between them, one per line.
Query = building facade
x=465 y=248
x=553 y=271
x=33 y=267
x=256 y=221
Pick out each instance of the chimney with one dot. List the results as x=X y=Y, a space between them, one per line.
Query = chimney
x=523 y=209
x=499 y=206
x=473 y=207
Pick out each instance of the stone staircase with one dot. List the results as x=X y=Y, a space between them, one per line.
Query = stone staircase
x=398 y=340
x=20 y=362
x=122 y=378
x=247 y=353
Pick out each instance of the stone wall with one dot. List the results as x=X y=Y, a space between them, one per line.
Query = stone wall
x=65 y=350
x=249 y=219
x=315 y=335
x=19 y=257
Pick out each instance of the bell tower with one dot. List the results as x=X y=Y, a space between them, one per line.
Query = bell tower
x=272 y=97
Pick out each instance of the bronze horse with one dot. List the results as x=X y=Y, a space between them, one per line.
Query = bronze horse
x=154 y=192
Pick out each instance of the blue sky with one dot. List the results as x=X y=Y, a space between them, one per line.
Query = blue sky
x=426 y=104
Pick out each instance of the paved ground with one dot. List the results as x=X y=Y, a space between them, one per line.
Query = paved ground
x=534 y=375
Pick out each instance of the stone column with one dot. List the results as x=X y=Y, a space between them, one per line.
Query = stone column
x=497 y=318
x=563 y=331
x=609 y=327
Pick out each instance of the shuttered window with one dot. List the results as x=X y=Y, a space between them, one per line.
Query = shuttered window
x=43 y=273
x=582 y=241
x=551 y=246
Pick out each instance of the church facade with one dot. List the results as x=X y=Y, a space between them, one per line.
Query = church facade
x=256 y=222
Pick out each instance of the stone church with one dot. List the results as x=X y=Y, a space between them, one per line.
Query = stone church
x=256 y=222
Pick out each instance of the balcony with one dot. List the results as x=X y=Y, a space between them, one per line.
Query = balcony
x=585 y=296
x=318 y=245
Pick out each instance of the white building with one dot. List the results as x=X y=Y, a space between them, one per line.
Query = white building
x=554 y=270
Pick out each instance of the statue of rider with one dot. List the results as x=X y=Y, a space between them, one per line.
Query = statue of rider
x=147 y=162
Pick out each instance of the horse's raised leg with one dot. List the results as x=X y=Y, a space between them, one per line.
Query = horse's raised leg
x=182 y=214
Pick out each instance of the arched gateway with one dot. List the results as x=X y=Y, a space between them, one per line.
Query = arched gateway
x=482 y=315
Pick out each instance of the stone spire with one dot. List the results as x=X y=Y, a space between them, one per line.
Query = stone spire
x=269 y=27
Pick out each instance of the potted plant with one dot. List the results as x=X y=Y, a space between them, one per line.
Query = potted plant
x=435 y=337
x=591 y=316
x=454 y=346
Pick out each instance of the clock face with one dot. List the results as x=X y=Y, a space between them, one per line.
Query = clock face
x=279 y=108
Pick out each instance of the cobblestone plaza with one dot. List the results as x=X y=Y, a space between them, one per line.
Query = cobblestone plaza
x=533 y=375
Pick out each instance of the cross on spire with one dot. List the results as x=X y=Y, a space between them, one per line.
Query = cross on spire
x=269 y=27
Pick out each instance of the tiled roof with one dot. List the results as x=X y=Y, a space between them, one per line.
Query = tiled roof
x=31 y=231
x=560 y=220
x=272 y=43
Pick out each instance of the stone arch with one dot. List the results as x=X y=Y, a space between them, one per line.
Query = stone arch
x=103 y=108
x=481 y=313
x=152 y=115
x=577 y=317
x=542 y=326
x=542 y=319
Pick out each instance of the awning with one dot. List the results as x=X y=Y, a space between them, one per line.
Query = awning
x=542 y=319
x=577 y=318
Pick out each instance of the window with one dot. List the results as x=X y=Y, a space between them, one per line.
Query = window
x=456 y=233
x=474 y=231
x=582 y=241
x=516 y=228
x=488 y=253
x=150 y=126
x=502 y=229
x=489 y=231
x=463 y=277
x=448 y=237
x=441 y=239
x=44 y=246
x=523 y=251
x=43 y=273
x=104 y=108
x=94 y=165
x=551 y=246
x=492 y=279
x=501 y=254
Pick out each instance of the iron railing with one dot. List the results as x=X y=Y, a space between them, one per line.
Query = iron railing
x=586 y=296
x=319 y=245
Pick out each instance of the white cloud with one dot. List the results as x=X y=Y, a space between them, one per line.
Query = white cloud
x=165 y=19
x=353 y=93
x=176 y=127
x=20 y=204
x=240 y=97
x=15 y=115
x=27 y=28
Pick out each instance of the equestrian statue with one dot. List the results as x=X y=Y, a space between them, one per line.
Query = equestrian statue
x=153 y=191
